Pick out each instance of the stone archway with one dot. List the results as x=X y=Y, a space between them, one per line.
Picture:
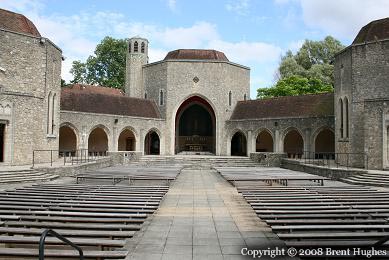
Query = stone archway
x=238 y=144
x=98 y=141
x=325 y=142
x=67 y=139
x=152 y=143
x=195 y=126
x=264 y=142
x=126 y=140
x=293 y=144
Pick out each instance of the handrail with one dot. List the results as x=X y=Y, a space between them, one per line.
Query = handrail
x=74 y=156
x=59 y=236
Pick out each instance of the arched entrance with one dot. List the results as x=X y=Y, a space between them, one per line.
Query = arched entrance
x=195 y=126
x=67 y=139
x=2 y=143
x=264 y=142
x=152 y=143
x=238 y=144
x=293 y=144
x=98 y=141
x=126 y=141
x=325 y=142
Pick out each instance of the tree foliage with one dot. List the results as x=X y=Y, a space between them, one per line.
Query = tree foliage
x=308 y=71
x=106 y=67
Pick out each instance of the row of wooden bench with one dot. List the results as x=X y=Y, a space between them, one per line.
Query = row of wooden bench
x=96 y=217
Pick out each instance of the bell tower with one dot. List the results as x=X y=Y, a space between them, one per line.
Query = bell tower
x=137 y=56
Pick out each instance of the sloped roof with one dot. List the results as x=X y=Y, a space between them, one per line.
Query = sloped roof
x=15 y=22
x=195 y=54
x=102 y=100
x=373 y=31
x=292 y=106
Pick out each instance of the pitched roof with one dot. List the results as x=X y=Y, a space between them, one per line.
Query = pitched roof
x=291 y=106
x=373 y=31
x=195 y=54
x=17 y=23
x=102 y=100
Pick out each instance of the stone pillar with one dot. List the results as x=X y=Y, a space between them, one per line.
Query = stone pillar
x=249 y=142
x=278 y=146
x=114 y=140
x=84 y=138
x=307 y=139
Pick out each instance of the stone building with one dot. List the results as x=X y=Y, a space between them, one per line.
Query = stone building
x=362 y=96
x=192 y=101
x=30 y=88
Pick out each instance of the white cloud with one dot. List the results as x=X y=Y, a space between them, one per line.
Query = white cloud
x=240 y=7
x=172 y=4
x=294 y=46
x=342 y=18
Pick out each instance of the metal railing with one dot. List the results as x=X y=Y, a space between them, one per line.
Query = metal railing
x=68 y=156
x=332 y=159
x=59 y=236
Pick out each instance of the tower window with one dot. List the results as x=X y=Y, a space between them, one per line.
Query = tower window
x=244 y=97
x=135 y=46
x=346 y=116
x=230 y=98
x=161 y=98
x=129 y=47
x=142 y=47
x=145 y=95
x=341 y=117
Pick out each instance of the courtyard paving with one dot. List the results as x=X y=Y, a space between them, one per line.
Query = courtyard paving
x=202 y=217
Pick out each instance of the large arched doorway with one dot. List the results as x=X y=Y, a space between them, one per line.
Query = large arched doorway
x=98 y=141
x=67 y=140
x=293 y=144
x=152 y=143
x=264 y=142
x=126 y=141
x=195 y=126
x=325 y=142
x=238 y=144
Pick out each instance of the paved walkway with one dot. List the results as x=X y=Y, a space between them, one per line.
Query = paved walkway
x=202 y=217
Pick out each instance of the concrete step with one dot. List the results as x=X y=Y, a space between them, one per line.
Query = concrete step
x=370 y=179
x=15 y=176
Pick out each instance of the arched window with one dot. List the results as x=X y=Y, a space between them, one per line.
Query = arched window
x=161 y=97
x=136 y=46
x=129 y=47
x=230 y=98
x=145 y=95
x=346 y=116
x=53 y=114
x=142 y=47
x=48 y=126
x=341 y=117
x=244 y=97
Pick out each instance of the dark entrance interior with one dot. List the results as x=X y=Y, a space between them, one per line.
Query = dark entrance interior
x=195 y=126
x=2 y=134
x=238 y=144
x=152 y=143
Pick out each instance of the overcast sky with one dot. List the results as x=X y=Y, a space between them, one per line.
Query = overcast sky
x=254 y=33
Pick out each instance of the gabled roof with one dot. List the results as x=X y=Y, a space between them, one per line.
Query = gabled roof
x=15 y=22
x=313 y=105
x=195 y=54
x=373 y=31
x=103 y=100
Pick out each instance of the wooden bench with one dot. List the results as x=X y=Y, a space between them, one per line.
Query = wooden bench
x=54 y=225
x=330 y=228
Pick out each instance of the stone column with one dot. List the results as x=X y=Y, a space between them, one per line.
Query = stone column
x=307 y=139
x=278 y=142
x=249 y=142
x=114 y=141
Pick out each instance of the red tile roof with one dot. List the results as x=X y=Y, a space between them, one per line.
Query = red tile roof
x=195 y=54
x=17 y=23
x=102 y=100
x=292 y=106
x=373 y=31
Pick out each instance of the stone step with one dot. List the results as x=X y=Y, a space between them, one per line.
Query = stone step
x=25 y=176
x=368 y=182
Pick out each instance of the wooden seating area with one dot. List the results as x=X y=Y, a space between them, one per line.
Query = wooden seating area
x=118 y=174
x=98 y=218
x=317 y=216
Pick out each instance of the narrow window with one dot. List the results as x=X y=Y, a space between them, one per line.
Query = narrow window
x=341 y=117
x=135 y=46
x=129 y=47
x=346 y=116
x=145 y=95
x=142 y=47
x=48 y=127
x=230 y=98
x=53 y=114
x=245 y=97
x=161 y=97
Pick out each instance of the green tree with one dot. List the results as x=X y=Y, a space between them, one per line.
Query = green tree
x=106 y=67
x=308 y=71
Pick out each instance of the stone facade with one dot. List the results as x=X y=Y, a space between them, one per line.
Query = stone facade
x=29 y=95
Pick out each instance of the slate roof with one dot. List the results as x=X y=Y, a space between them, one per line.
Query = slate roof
x=15 y=22
x=373 y=31
x=196 y=54
x=103 y=100
x=314 y=105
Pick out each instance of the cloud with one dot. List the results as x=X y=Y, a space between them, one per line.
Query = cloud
x=240 y=7
x=342 y=18
x=172 y=4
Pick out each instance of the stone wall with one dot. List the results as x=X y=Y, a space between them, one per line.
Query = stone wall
x=124 y=158
x=268 y=159
x=30 y=70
